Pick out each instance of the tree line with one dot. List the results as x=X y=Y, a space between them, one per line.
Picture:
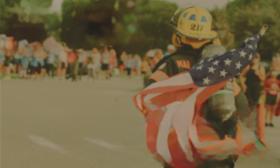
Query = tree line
x=133 y=25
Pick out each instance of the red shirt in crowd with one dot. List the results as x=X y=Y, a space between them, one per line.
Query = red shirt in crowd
x=71 y=57
x=272 y=86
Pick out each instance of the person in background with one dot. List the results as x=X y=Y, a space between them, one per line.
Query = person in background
x=96 y=58
x=34 y=67
x=41 y=55
x=17 y=60
x=276 y=67
x=134 y=65
x=138 y=62
x=72 y=63
x=62 y=63
x=252 y=80
x=51 y=64
x=23 y=52
x=82 y=63
x=9 y=51
x=123 y=59
x=25 y=61
x=105 y=62
x=129 y=65
x=90 y=68
x=113 y=60
x=272 y=88
x=10 y=46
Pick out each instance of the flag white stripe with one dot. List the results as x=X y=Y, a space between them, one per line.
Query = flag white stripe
x=183 y=120
x=139 y=102
x=164 y=130
x=178 y=80
x=170 y=110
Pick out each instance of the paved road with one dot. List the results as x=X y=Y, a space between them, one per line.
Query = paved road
x=60 y=124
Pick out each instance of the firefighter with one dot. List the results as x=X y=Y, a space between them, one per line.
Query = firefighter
x=192 y=33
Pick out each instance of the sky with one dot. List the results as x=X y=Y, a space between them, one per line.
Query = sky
x=56 y=6
x=210 y=4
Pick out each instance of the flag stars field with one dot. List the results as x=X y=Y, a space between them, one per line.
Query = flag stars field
x=238 y=65
x=216 y=63
x=199 y=68
x=228 y=62
x=242 y=54
x=211 y=69
x=206 y=81
x=223 y=73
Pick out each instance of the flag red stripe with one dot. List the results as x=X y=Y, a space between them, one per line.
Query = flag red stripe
x=178 y=156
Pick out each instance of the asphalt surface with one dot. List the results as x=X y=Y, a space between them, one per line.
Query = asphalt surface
x=85 y=124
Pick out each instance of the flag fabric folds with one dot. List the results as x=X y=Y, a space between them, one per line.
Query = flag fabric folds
x=176 y=132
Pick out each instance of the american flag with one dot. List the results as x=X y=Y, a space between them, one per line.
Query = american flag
x=171 y=108
x=213 y=70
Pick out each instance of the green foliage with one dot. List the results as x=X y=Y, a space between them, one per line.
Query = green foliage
x=221 y=25
x=135 y=28
x=247 y=16
x=151 y=19
x=157 y=24
x=2 y=16
x=138 y=25
x=88 y=22
x=27 y=14
x=53 y=23
x=35 y=4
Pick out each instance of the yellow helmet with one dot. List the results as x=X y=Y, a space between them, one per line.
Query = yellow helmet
x=194 y=23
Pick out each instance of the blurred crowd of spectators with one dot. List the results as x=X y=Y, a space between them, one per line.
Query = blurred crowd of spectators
x=261 y=83
x=51 y=58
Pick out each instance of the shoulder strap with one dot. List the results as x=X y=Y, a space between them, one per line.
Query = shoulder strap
x=162 y=61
